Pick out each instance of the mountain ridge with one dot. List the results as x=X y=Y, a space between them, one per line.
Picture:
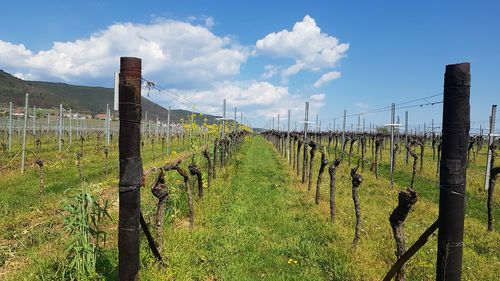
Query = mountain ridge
x=84 y=99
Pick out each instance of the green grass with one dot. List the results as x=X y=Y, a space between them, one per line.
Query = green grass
x=257 y=222
x=375 y=254
x=252 y=225
x=31 y=221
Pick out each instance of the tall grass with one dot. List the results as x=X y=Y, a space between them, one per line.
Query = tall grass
x=85 y=213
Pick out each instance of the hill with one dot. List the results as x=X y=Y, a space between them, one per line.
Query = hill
x=87 y=99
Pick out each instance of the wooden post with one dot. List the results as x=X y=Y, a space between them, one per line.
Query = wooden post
x=455 y=132
x=130 y=168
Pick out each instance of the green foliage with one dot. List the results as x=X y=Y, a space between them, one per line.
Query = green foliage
x=85 y=215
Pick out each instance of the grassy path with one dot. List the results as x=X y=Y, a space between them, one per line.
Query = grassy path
x=253 y=225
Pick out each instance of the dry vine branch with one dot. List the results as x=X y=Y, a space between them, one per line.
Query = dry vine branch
x=304 y=163
x=415 y=159
x=195 y=171
x=356 y=182
x=332 y=171
x=206 y=154
x=313 y=146
x=493 y=177
x=322 y=166
x=406 y=199
x=299 y=145
x=161 y=192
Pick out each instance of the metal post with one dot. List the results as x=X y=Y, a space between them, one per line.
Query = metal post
x=157 y=128
x=77 y=127
x=288 y=137
x=224 y=118
x=406 y=137
x=168 y=131
x=490 y=142
x=455 y=133
x=33 y=127
x=278 y=122
x=23 y=157
x=106 y=126
x=235 y=120
x=10 y=126
x=317 y=123
x=60 y=128
x=343 y=131
x=146 y=123
x=306 y=119
x=70 y=127
x=130 y=168
x=393 y=113
x=432 y=127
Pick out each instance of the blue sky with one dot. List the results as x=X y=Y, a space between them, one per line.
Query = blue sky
x=376 y=52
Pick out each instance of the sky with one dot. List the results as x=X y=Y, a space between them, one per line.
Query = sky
x=266 y=57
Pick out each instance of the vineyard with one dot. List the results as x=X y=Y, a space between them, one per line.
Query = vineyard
x=193 y=200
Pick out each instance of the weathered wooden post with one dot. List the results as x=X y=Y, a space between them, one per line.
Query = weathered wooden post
x=130 y=167
x=456 y=125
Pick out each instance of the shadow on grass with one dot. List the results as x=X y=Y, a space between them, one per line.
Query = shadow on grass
x=107 y=265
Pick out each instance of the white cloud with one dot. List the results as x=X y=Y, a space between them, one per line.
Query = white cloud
x=327 y=77
x=191 y=60
x=271 y=71
x=256 y=98
x=209 y=22
x=306 y=45
x=317 y=98
x=172 y=52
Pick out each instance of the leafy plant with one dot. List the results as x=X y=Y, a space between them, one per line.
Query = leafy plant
x=83 y=221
